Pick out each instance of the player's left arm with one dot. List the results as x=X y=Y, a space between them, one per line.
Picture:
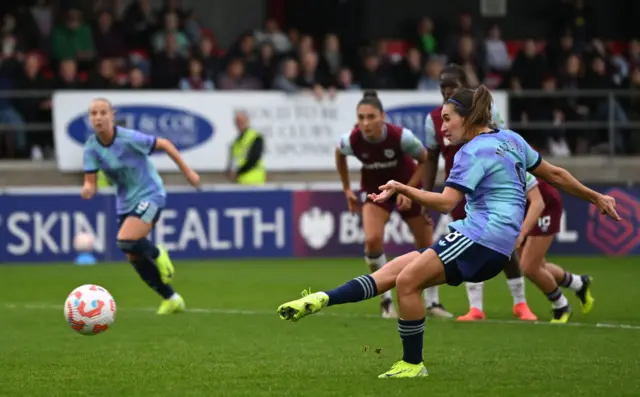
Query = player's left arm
x=562 y=179
x=411 y=145
x=170 y=149
x=496 y=117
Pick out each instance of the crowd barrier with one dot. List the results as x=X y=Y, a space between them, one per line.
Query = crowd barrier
x=38 y=225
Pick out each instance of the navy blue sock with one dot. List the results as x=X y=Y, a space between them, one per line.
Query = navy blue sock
x=412 y=335
x=153 y=250
x=356 y=290
x=149 y=272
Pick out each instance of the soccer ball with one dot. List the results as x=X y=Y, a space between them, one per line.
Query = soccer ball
x=84 y=242
x=90 y=309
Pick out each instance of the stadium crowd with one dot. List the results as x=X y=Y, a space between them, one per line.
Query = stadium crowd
x=133 y=46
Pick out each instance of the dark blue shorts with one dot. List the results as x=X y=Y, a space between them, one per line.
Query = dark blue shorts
x=465 y=260
x=145 y=210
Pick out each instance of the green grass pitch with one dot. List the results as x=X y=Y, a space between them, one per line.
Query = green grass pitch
x=232 y=342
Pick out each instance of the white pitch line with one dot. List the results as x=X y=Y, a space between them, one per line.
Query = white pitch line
x=44 y=306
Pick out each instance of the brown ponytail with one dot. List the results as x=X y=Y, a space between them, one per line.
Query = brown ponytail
x=474 y=106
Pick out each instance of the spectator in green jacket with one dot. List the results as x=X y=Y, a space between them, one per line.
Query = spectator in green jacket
x=73 y=38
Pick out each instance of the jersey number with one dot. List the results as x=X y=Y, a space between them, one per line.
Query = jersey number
x=522 y=175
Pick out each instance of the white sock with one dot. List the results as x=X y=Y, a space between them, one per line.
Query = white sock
x=174 y=297
x=374 y=264
x=431 y=296
x=560 y=302
x=576 y=282
x=516 y=285
x=475 y=292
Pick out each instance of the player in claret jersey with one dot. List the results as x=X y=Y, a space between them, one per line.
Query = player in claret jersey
x=454 y=78
x=541 y=224
x=387 y=152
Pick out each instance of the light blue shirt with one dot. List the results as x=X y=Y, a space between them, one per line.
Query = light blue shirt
x=126 y=163
x=491 y=170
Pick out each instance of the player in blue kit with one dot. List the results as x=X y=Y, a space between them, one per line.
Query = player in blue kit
x=490 y=169
x=123 y=156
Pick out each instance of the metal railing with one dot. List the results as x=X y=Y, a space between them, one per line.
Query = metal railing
x=617 y=113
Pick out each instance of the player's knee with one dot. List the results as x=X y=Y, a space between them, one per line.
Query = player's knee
x=374 y=242
x=134 y=249
x=405 y=283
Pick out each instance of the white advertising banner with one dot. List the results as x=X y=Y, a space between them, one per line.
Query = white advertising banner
x=300 y=131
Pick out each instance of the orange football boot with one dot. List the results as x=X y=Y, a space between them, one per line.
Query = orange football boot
x=522 y=311
x=473 y=315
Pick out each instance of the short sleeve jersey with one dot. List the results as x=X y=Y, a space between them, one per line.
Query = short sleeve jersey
x=126 y=163
x=491 y=170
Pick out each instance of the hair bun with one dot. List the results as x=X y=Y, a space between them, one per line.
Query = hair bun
x=370 y=94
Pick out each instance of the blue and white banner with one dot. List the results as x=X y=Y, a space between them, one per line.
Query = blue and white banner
x=300 y=131
x=267 y=223
x=206 y=225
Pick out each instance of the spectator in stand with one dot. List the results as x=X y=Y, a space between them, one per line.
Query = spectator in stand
x=330 y=59
x=235 y=77
x=409 y=71
x=310 y=77
x=266 y=66
x=104 y=77
x=9 y=70
x=209 y=54
x=466 y=29
x=431 y=78
x=41 y=15
x=67 y=78
x=598 y=78
x=173 y=7
x=72 y=39
x=633 y=109
x=137 y=80
x=195 y=80
x=192 y=27
x=472 y=62
x=287 y=79
x=171 y=30
x=633 y=54
x=13 y=43
x=109 y=37
x=304 y=45
x=33 y=109
x=168 y=66
x=498 y=60
x=275 y=36
x=345 y=80
x=529 y=67
x=425 y=39
x=558 y=53
x=574 y=107
x=372 y=76
x=139 y=22
x=246 y=50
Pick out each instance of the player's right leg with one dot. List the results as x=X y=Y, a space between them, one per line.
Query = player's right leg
x=374 y=219
x=581 y=284
x=356 y=290
x=532 y=261
x=142 y=254
x=423 y=236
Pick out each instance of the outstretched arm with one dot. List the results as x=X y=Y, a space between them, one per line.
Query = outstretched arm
x=562 y=179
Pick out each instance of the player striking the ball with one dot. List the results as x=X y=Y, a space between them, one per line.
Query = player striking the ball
x=452 y=78
x=541 y=224
x=387 y=152
x=490 y=169
x=123 y=155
